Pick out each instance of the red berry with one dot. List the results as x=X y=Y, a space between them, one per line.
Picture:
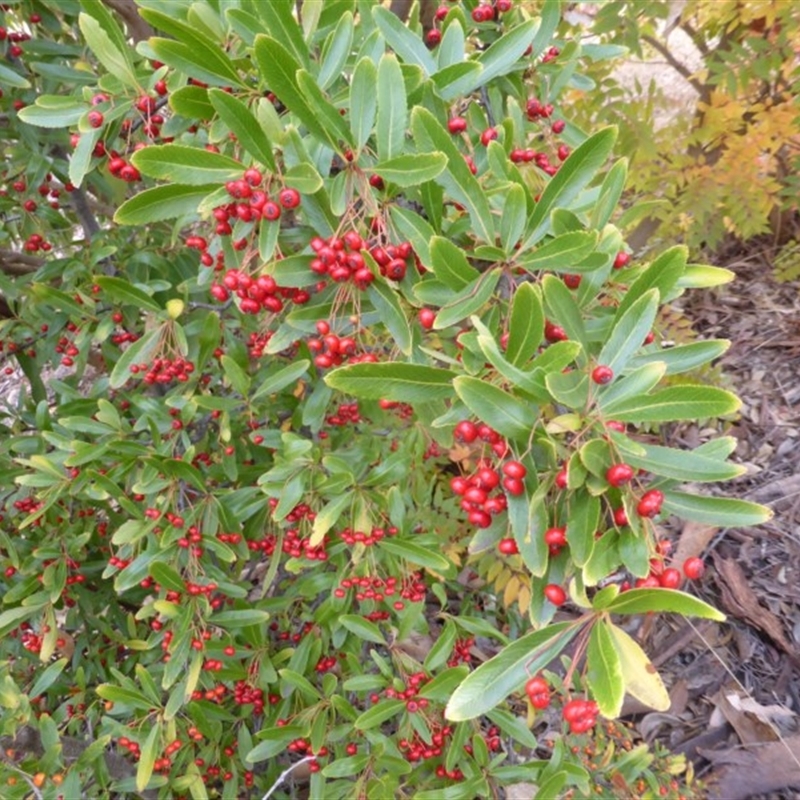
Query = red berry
x=289 y=198
x=561 y=479
x=456 y=125
x=555 y=594
x=622 y=260
x=490 y=134
x=558 y=126
x=426 y=318
x=538 y=692
x=555 y=539
x=572 y=281
x=433 y=37
x=650 y=504
x=96 y=119
x=620 y=517
x=693 y=568
x=602 y=375
x=514 y=486
x=513 y=469
x=507 y=547
x=670 y=578
x=619 y=474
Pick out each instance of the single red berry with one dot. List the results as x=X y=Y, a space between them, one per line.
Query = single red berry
x=602 y=375
x=555 y=594
x=670 y=578
x=96 y=119
x=561 y=479
x=507 y=547
x=558 y=126
x=563 y=152
x=514 y=486
x=289 y=198
x=555 y=539
x=426 y=318
x=572 y=281
x=622 y=260
x=513 y=469
x=433 y=37
x=619 y=474
x=650 y=504
x=503 y=6
x=620 y=517
x=466 y=432
x=456 y=125
x=489 y=135
x=693 y=568
x=538 y=691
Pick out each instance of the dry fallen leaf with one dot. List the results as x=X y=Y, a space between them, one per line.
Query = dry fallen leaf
x=693 y=541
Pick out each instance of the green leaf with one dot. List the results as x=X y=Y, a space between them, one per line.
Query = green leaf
x=550 y=17
x=378 y=714
x=441 y=687
x=363 y=628
x=662 y=274
x=504 y=55
x=604 y=671
x=336 y=51
x=81 y=160
x=236 y=376
x=457 y=179
x=628 y=332
x=10 y=619
x=204 y=63
x=403 y=40
x=500 y=410
x=562 y=254
x=402 y=383
x=526 y=326
x=122 y=291
x=284 y=377
x=114 y=59
x=274 y=741
x=442 y=647
x=641 y=601
x=417 y=554
x=279 y=15
x=493 y=681
x=419 y=232
x=63 y=115
x=684 y=357
x=722 y=512
x=449 y=264
x=13 y=79
x=386 y=303
x=512 y=220
x=561 y=308
x=469 y=300
x=327 y=517
x=347 y=767
x=583 y=521
x=552 y=785
x=242 y=123
x=700 y=276
x=160 y=203
x=671 y=462
x=411 y=170
x=676 y=404
x=280 y=72
x=363 y=101
x=240 y=618
x=142 y=350
x=641 y=678
x=390 y=133
x=191 y=166
x=573 y=176
x=124 y=696
x=192 y=102
x=167 y=577
x=514 y=727
x=610 y=193
x=455 y=80
x=48 y=677
x=328 y=115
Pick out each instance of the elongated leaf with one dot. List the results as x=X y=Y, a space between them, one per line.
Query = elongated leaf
x=719 y=511
x=286 y=376
x=449 y=264
x=582 y=524
x=493 y=681
x=160 y=203
x=574 y=175
x=417 y=554
x=378 y=714
x=701 y=276
x=363 y=101
x=11 y=618
x=142 y=350
x=114 y=59
x=386 y=303
x=274 y=741
x=363 y=628
x=280 y=70
x=521 y=379
x=610 y=193
x=419 y=232
x=411 y=170
x=500 y=410
x=329 y=116
x=118 y=290
x=327 y=517
x=682 y=465
x=628 y=333
x=684 y=357
x=604 y=671
x=242 y=122
x=10 y=78
x=677 y=404
x=390 y=133
x=504 y=55
x=562 y=254
x=550 y=17
x=468 y=301
x=457 y=79
x=403 y=383
x=641 y=678
x=562 y=309
x=637 y=382
x=403 y=40
x=640 y=601
x=512 y=222
x=122 y=695
x=526 y=325
x=207 y=63
x=192 y=102
x=457 y=180
x=662 y=274
x=336 y=51
x=240 y=618
x=279 y=17
x=64 y=116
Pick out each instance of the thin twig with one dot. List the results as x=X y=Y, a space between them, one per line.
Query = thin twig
x=285 y=774
x=678 y=66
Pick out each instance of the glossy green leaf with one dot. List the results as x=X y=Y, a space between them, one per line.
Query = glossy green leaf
x=503 y=55
x=701 y=276
x=206 y=63
x=512 y=220
x=561 y=309
x=573 y=177
x=387 y=304
x=662 y=274
x=9 y=77
x=677 y=404
x=124 y=696
x=641 y=601
x=442 y=647
x=419 y=233
x=363 y=101
x=417 y=554
x=450 y=265
x=279 y=16
x=240 y=618
x=457 y=180
x=494 y=680
x=142 y=350
x=604 y=671
x=407 y=44
x=12 y=617
x=561 y=254
x=115 y=59
x=641 y=678
x=347 y=767
x=192 y=102
x=160 y=203
x=235 y=375
x=610 y=193
x=526 y=325
x=403 y=383
x=390 y=132
x=167 y=577
x=362 y=628
x=336 y=50
x=273 y=741
x=328 y=115
x=684 y=357
x=283 y=378
x=378 y=714
x=583 y=521
x=628 y=332
x=722 y=512
x=147 y=757
x=411 y=170
x=456 y=80
x=62 y=115
x=500 y=410
x=124 y=292
x=241 y=121
x=637 y=382
x=468 y=301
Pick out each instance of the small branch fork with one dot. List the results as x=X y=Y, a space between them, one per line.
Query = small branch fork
x=284 y=775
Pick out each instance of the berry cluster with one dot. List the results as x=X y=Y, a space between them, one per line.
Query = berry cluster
x=341 y=259
x=164 y=370
x=332 y=350
x=351 y=537
x=345 y=414
x=580 y=715
x=538 y=691
x=256 y=294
